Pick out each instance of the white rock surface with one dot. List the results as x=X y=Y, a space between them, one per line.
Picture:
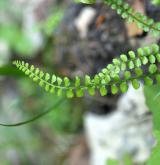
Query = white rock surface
x=83 y=20
x=122 y=131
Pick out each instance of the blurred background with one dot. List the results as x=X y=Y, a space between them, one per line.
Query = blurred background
x=62 y=37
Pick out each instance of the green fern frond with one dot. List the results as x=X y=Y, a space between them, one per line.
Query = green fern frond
x=131 y=68
x=128 y=13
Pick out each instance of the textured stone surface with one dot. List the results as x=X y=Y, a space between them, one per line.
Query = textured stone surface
x=126 y=130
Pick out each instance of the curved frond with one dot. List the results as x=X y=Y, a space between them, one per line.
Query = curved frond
x=127 y=12
x=114 y=77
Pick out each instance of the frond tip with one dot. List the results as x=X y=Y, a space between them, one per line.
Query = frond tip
x=141 y=65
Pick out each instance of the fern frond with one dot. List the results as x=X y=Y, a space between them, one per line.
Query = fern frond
x=141 y=65
x=128 y=13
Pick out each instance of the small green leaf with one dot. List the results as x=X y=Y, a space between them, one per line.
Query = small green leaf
x=41 y=83
x=87 y=80
x=135 y=84
x=147 y=50
x=148 y=81
x=103 y=91
x=27 y=72
x=103 y=82
x=130 y=64
x=107 y=79
x=37 y=71
x=116 y=77
x=91 y=91
x=35 y=79
x=144 y=60
x=138 y=62
x=59 y=81
x=116 y=61
x=41 y=74
x=53 y=80
x=105 y=70
x=96 y=79
x=139 y=72
x=123 y=57
x=52 y=90
x=80 y=92
x=70 y=93
x=117 y=69
x=77 y=81
x=47 y=88
x=66 y=81
x=127 y=75
x=155 y=48
x=31 y=75
x=123 y=66
x=114 y=89
x=152 y=59
x=131 y=54
x=27 y=65
x=101 y=75
x=124 y=87
x=110 y=67
x=32 y=68
x=140 y=52
x=47 y=77
x=59 y=92
x=152 y=68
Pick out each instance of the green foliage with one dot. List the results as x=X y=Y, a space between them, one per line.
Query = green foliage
x=52 y=22
x=86 y=1
x=115 y=77
x=11 y=71
x=155 y=157
x=112 y=162
x=156 y=2
x=135 y=63
x=151 y=100
x=128 y=13
x=125 y=161
x=16 y=34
